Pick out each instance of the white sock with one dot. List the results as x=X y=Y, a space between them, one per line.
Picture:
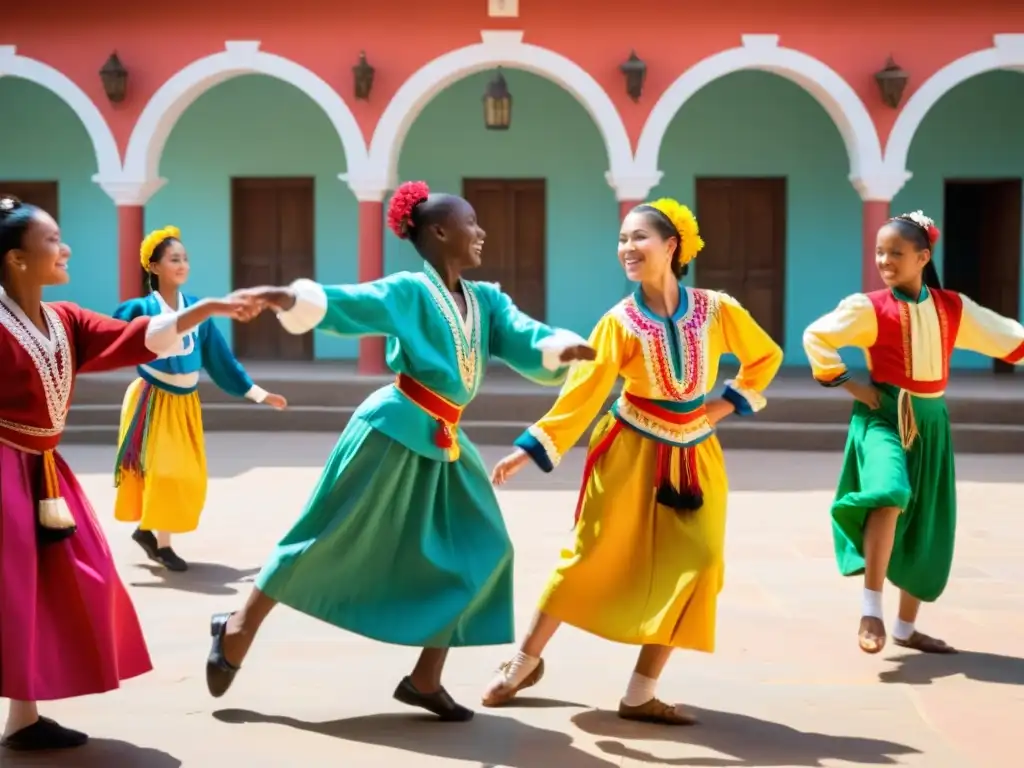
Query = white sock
x=518 y=670
x=640 y=690
x=871 y=604
x=902 y=630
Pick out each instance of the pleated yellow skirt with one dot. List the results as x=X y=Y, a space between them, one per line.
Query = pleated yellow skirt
x=161 y=467
x=640 y=572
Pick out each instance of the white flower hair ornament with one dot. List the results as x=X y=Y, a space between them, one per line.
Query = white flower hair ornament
x=918 y=218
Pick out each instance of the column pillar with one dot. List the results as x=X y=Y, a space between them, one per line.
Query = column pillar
x=625 y=206
x=130 y=197
x=131 y=221
x=371 y=267
x=875 y=215
x=876 y=189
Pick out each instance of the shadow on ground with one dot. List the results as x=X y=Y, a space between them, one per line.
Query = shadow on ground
x=200 y=578
x=98 y=753
x=487 y=740
x=747 y=742
x=926 y=668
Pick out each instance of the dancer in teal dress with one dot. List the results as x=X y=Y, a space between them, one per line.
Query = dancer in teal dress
x=402 y=540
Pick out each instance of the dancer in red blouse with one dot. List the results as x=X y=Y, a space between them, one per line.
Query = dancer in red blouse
x=67 y=626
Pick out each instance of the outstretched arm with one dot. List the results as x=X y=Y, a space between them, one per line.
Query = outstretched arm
x=989 y=333
x=534 y=350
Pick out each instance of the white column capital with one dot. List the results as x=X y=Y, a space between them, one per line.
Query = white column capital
x=882 y=186
x=129 y=192
x=367 y=189
x=634 y=186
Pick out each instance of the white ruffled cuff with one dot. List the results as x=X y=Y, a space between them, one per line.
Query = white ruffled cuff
x=162 y=337
x=554 y=345
x=257 y=394
x=309 y=308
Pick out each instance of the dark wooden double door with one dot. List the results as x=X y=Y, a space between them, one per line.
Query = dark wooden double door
x=743 y=222
x=272 y=243
x=513 y=212
x=42 y=194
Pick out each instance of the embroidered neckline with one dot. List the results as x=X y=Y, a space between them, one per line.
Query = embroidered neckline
x=691 y=325
x=465 y=332
x=51 y=358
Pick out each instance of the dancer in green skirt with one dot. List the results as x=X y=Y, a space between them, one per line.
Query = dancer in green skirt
x=894 y=513
x=402 y=540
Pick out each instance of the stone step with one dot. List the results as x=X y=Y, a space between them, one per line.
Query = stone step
x=98 y=424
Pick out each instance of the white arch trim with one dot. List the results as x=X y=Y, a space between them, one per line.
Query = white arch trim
x=108 y=158
x=496 y=48
x=142 y=159
x=1007 y=52
x=763 y=52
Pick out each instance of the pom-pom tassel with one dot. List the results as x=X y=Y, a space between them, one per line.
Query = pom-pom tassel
x=443 y=437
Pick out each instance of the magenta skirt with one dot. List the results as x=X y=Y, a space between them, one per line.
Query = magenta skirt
x=67 y=625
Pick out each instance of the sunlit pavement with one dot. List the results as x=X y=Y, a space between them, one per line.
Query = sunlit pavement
x=787 y=686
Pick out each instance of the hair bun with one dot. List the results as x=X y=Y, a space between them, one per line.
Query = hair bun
x=9 y=204
x=406 y=198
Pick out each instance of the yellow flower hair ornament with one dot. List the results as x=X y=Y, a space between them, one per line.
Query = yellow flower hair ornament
x=682 y=218
x=153 y=239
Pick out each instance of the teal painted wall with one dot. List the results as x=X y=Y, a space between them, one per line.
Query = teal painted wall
x=751 y=124
x=255 y=126
x=973 y=132
x=551 y=137
x=43 y=140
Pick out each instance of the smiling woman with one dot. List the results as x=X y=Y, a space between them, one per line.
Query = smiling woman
x=402 y=540
x=160 y=471
x=57 y=619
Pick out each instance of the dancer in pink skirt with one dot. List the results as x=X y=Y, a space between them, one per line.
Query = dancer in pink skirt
x=67 y=626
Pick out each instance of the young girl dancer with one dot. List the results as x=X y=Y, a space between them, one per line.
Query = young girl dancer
x=647 y=565
x=894 y=512
x=402 y=540
x=67 y=626
x=160 y=471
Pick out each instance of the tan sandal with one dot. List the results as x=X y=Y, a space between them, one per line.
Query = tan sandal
x=869 y=638
x=925 y=644
x=503 y=694
x=658 y=712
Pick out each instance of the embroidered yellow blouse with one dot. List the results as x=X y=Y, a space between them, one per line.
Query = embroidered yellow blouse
x=908 y=343
x=667 y=362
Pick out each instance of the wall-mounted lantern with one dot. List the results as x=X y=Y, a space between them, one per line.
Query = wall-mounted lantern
x=362 y=74
x=892 y=81
x=635 y=71
x=115 y=79
x=497 y=104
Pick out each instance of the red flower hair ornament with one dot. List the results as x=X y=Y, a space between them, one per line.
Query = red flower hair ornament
x=406 y=197
x=924 y=222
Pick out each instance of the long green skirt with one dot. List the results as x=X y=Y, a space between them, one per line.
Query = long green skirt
x=399 y=548
x=877 y=472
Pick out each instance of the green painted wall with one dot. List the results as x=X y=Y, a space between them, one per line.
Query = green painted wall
x=756 y=124
x=551 y=137
x=746 y=124
x=254 y=126
x=973 y=132
x=43 y=140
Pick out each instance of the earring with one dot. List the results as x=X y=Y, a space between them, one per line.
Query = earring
x=22 y=267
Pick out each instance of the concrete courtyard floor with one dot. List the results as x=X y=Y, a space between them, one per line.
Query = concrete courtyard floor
x=787 y=686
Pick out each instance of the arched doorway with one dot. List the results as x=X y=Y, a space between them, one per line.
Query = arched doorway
x=539 y=189
x=766 y=171
x=48 y=158
x=967 y=163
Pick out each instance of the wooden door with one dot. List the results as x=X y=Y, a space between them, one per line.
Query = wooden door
x=42 y=194
x=513 y=212
x=272 y=244
x=982 y=245
x=743 y=222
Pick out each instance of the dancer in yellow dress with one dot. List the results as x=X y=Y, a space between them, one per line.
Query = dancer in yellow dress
x=160 y=471
x=647 y=565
